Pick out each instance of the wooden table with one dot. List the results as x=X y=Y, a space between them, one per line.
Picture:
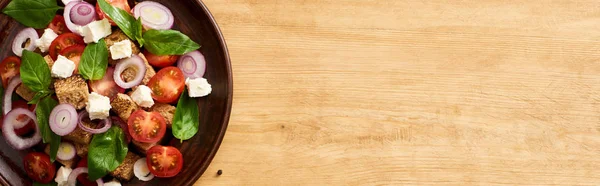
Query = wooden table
x=411 y=92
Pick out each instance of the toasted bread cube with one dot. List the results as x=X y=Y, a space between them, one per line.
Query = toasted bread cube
x=82 y=149
x=49 y=61
x=124 y=172
x=114 y=37
x=72 y=90
x=123 y=105
x=165 y=110
x=80 y=136
x=66 y=163
x=142 y=147
x=129 y=73
x=25 y=92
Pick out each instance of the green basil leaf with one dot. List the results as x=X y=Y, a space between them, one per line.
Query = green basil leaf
x=124 y=20
x=45 y=184
x=32 y=13
x=94 y=61
x=35 y=73
x=42 y=112
x=106 y=152
x=139 y=33
x=168 y=42
x=39 y=95
x=186 y=119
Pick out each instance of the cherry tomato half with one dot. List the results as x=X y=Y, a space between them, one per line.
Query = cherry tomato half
x=83 y=178
x=122 y=4
x=39 y=167
x=74 y=53
x=9 y=68
x=106 y=86
x=62 y=42
x=147 y=127
x=58 y=25
x=160 y=61
x=164 y=161
x=167 y=85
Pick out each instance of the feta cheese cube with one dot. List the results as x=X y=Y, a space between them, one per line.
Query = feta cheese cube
x=63 y=67
x=62 y=175
x=95 y=31
x=113 y=183
x=143 y=96
x=121 y=49
x=68 y=1
x=44 y=42
x=198 y=87
x=98 y=106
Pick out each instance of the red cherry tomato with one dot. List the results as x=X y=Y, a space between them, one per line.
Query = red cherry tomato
x=147 y=127
x=74 y=53
x=122 y=4
x=58 y=25
x=9 y=68
x=38 y=167
x=160 y=61
x=167 y=85
x=164 y=161
x=106 y=86
x=83 y=178
x=63 y=41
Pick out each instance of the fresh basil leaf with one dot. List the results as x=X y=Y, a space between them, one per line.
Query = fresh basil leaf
x=168 y=42
x=35 y=73
x=39 y=95
x=42 y=112
x=94 y=61
x=124 y=20
x=106 y=152
x=32 y=13
x=186 y=119
x=139 y=33
x=45 y=184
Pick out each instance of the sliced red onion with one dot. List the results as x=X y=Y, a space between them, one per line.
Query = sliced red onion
x=67 y=15
x=63 y=119
x=72 y=180
x=28 y=33
x=154 y=15
x=66 y=151
x=82 y=13
x=192 y=64
x=12 y=85
x=141 y=171
x=8 y=130
x=134 y=61
x=84 y=114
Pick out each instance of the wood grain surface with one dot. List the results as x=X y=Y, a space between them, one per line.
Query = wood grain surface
x=411 y=92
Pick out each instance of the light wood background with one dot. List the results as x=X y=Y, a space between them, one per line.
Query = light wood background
x=411 y=92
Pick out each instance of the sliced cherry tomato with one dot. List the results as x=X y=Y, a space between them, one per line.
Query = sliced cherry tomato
x=83 y=178
x=122 y=4
x=164 y=161
x=27 y=128
x=106 y=86
x=9 y=68
x=147 y=127
x=39 y=167
x=63 y=41
x=167 y=85
x=58 y=25
x=160 y=61
x=73 y=53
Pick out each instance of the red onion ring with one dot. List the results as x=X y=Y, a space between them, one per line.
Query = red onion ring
x=58 y=124
x=12 y=85
x=62 y=154
x=165 y=19
x=82 y=13
x=72 y=180
x=67 y=15
x=8 y=130
x=28 y=33
x=84 y=114
x=192 y=64
x=134 y=61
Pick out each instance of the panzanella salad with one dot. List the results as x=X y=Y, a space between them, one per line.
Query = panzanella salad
x=93 y=92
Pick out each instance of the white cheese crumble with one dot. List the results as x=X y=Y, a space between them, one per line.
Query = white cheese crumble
x=44 y=42
x=143 y=96
x=121 y=49
x=113 y=183
x=98 y=106
x=62 y=175
x=63 y=67
x=198 y=87
x=95 y=31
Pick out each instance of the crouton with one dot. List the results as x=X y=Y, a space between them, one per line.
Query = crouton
x=123 y=105
x=66 y=163
x=82 y=149
x=166 y=111
x=80 y=136
x=129 y=73
x=115 y=37
x=142 y=147
x=49 y=61
x=72 y=90
x=124 y=172
x=25 y=92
